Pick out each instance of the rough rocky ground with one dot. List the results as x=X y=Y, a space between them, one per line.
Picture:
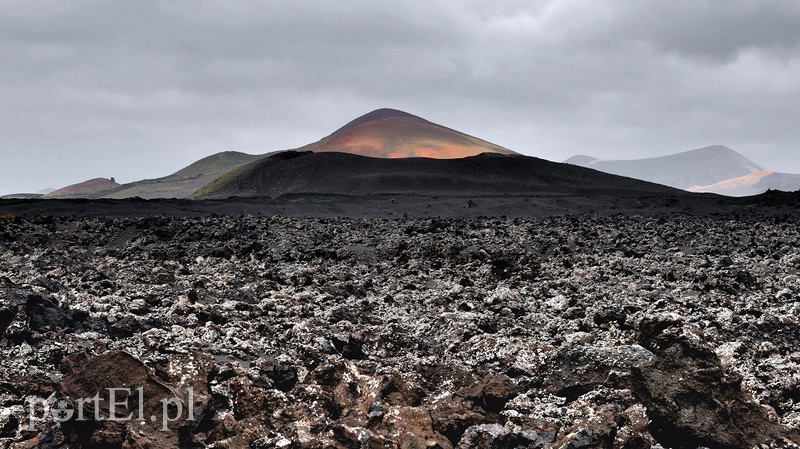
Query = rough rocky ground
x=566 y=332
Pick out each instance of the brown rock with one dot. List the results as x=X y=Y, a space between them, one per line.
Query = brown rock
x=452 y=416
x=412 y=428
x=690 y=399
x=139 y=394
x=492 y=392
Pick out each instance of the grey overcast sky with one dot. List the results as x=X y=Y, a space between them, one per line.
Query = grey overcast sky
x=140 y=88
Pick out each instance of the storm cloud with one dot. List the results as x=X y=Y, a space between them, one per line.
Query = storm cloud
x=139 y=89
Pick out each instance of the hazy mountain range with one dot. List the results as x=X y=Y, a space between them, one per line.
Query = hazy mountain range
x=388 y=150
x=753 y=184
x=683 y=170
x=715 y=169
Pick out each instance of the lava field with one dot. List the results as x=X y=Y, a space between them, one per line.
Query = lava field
x=564 y=332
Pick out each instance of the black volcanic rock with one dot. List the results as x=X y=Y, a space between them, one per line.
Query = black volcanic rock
x=7 y=314
x=44 y=314
x=409 y=332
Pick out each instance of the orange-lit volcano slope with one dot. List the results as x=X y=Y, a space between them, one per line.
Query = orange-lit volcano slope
x=389 y=133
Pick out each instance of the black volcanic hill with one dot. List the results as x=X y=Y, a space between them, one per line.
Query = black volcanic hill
x=339 y=173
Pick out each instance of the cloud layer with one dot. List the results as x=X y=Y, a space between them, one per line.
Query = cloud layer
x=138 y=89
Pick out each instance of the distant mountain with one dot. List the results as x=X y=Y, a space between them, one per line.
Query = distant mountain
x=391 y=151
x=581 y=160
x=389 y=133
x=384 y=133
x=185 y=181
x=339 y=173
x=85 y=189
x=753 y=184
x=22 y=196
x=704 y=166
x=177 y=185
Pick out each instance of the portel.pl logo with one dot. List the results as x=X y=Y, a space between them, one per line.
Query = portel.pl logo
x=115 y=404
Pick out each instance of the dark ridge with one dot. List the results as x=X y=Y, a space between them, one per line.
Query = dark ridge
x=286 y=155
x=340 y=173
